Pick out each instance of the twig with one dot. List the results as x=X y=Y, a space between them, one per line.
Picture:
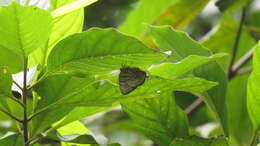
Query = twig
x=10 y=115
x=244 y=71
x=21 y=88
x=191 y=108
x=236 y=44
x=243 y=60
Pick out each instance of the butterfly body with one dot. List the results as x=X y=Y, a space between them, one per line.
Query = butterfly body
x=130 y=79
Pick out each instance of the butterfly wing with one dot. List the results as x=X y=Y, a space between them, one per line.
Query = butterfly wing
x=130 y=79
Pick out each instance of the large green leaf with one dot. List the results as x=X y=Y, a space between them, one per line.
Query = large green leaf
x=11 y=139
x=158 y=118
x=145 y=13
x=52 y=90
x=236 y=99
x=253 y=91
x=87 y=97
x=24 y=29
x=62 y=27
x=174 y=70
x=76 y=92
x=60 y=94
x=89 y=48
x=166 y=70
x=197 y=141
x=181 y=13
x=99 y=51
x=182 y=46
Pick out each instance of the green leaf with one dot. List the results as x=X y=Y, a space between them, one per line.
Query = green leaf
x=158 y=118
x=99 y=51
x=75 y=127
x=169 y=39
x=237 y=111
x=253 y=91
x=98 y=94
x=75 y=133
x=23 y=29
x=11 y=139
x=144 y=14
x=60 y=94
x=52 y=90
x=15 y=65
x=62 y=27
x=197 y=141
x=181 y=13
x=174 y=70
x=183 y=46
x=72 y=93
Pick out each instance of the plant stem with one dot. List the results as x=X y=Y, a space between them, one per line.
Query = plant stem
x=25 y=121
x=236 y=43
x=244 y=71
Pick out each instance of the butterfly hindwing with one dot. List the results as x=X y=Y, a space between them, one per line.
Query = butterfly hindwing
x=130 y=79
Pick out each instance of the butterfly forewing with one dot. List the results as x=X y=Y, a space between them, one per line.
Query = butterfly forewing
x=130 y=79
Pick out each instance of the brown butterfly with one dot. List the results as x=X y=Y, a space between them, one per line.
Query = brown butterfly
x=130 y=79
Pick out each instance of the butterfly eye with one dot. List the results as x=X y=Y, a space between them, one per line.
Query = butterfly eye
x=130 y=79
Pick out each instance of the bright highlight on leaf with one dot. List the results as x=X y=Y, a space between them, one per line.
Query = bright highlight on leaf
x=72 y=7
x=24 y=29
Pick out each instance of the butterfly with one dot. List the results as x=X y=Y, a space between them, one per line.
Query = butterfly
x=130 y=79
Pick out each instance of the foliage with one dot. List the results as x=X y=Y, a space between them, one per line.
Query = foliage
x=76 y=75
